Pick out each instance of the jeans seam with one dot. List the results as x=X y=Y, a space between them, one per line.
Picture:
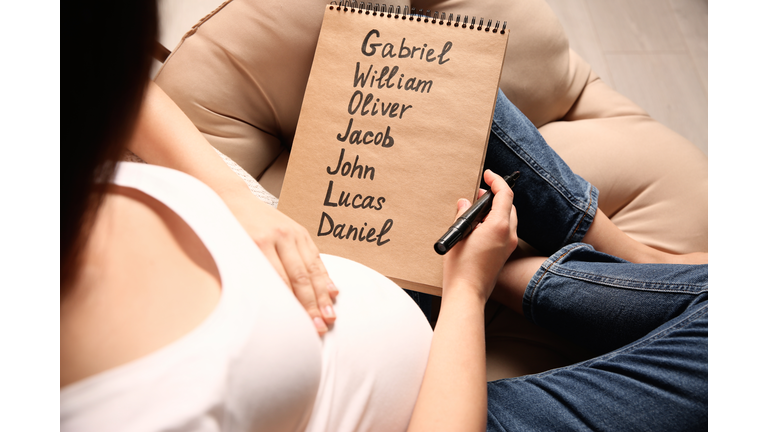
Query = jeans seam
x=572 y=199
x=535 y=285
x=696 y=289
x=583 y=215
x=490 y=414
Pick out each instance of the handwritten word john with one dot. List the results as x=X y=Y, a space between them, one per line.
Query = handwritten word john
x=349 y=169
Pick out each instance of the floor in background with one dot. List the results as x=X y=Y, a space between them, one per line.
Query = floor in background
x=652 y=51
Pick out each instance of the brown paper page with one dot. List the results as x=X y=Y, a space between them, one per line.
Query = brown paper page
x=392 y=132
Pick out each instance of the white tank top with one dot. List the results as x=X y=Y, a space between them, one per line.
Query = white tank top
x=256 y=363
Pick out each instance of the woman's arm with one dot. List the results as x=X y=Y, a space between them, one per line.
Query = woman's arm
x=165 y=136
x=453 y=394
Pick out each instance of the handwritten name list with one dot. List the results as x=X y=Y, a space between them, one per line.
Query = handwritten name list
x=385 y=81
x=392 y=132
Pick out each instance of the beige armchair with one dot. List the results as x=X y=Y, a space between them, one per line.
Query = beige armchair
x=240 y=75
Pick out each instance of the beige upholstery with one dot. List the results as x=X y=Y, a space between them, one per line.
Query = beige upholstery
x=240 y=75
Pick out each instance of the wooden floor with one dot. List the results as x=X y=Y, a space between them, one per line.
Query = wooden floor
x=652 y=51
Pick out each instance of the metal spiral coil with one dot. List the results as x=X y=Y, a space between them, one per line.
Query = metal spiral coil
x=407 y=12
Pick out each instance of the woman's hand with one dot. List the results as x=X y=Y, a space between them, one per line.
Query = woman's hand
x=165 y=136
x=453 y=394
x=476 y=261
x=291 y=251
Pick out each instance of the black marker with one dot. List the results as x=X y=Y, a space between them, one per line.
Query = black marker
x=470 y=218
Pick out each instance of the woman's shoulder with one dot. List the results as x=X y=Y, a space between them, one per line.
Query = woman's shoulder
x=146 y=279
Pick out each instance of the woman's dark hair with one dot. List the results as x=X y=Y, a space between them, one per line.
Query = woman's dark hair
x=109 y=50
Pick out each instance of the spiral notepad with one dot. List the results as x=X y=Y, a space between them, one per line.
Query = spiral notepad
x=392 y=132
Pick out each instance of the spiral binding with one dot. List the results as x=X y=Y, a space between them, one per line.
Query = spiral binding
x=407 y=12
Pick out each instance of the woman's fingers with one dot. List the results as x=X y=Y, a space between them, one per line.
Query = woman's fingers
x=503 y=209
x=300 y=281
x=325 y=290
x=271 y=254
x=291 y=251
x=501 y=222
x=503 y=196
x=461 y=206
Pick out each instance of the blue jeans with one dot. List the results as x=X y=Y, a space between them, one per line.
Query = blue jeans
x=647 y=322
x=541 y=169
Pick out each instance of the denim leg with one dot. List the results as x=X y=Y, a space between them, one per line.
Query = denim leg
x=602 y=302
x=654 y=318
x=555 y=207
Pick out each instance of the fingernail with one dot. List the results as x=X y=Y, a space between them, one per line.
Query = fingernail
x=328 y=312
x=320 y=324
x=332 y=287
